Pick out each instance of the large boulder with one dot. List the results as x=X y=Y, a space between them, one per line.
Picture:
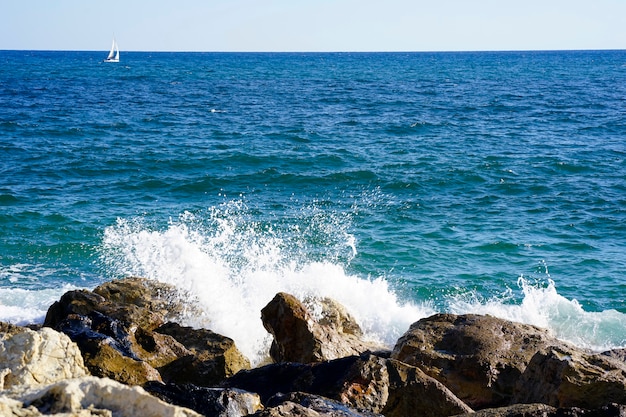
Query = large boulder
x=355 y=381
x=479 y=358
x=88 y=396
x=299 y=336
x=29 y=357
x=568 y=377
x=367 y=382
x=122 y=328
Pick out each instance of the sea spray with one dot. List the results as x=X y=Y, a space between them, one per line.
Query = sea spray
x=543 y=306
x=233 y=267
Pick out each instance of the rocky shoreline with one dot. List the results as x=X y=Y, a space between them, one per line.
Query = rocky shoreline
x=119 y=350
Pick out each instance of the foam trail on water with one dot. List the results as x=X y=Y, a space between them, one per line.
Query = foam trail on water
x=22 y=306
x=234 y=267
x=543 y=306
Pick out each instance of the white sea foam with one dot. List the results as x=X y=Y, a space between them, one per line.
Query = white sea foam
x=25 y=306
x=234 y=266
x=235 y=269
x=543 y=306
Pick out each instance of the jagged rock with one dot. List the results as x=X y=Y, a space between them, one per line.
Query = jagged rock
x=143 y=302
x=567 y=377
x=619 y=354
x=479 y=358
x=366 y=382
x=212 y=357
x=121 y=328
x=516 y=410
x=543 y=410
x=412 y=392
x=30 y=357
x=89 y=396
x=299 y=337
x=218 y=402
x=356 y=381
x=308 y=405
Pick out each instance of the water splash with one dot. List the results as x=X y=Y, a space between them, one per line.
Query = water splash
x=543 y=306
x=234 y=266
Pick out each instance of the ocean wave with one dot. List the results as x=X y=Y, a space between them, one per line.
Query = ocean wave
x=233 y=266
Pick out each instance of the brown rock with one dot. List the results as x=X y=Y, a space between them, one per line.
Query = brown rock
x=479 y=358
x=120 y=330
x=412 y=392
x=211 y=357
x=214 y=402
x=543 y=410
x=355 y=381
x=619 y=354
x=367 y=382
x=303 y=404
x=517 y=410
x=107 y=362
x=567 y=377
x=298 y=337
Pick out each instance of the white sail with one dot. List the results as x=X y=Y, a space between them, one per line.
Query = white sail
x=114 y=53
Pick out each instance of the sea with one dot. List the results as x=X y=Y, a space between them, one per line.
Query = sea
x=399 y=184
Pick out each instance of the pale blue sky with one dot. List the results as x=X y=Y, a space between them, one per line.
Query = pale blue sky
x=321 y=25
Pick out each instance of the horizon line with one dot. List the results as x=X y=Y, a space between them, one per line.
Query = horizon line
x=323 y=52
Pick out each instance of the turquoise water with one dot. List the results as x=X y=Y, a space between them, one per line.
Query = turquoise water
x=401 y=184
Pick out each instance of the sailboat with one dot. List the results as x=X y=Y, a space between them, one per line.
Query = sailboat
x=114 y=53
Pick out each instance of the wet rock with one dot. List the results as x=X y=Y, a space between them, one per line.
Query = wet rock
x=121 y=329
x=301 y=337
x=30 y=357
x=212 y=357
x=366 y=382
x=218 y=402
x=479 y=358
x=355 y=381
x=568 y=377
x=543 y=410
x=303 y=404
x=619 y=354
x=412 y=392
x=90 y=396
x=517 y=410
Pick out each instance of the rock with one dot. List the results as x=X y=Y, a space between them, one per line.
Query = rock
x=366 y=382
x=567 y=377
x=412 y=392
x=299 y=337
x=212 y=357
x=122 y=330
x=517 y=410
x=355 y=381
x=30 y=357
x=543 y=410
x=619 y=354
x=303 y=404
x=218 y=402
x=107 y=349
x=91 y=396
x=143 y=302
x=479 y=358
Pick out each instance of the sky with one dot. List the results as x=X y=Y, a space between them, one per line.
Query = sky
x=307 y=25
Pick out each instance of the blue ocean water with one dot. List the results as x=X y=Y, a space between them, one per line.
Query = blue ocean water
x=401 y=184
